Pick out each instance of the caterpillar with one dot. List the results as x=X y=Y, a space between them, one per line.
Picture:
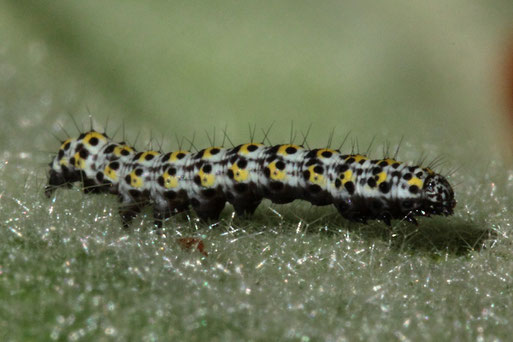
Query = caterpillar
x=359 y=187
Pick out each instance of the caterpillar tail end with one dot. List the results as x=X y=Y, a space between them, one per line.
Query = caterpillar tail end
x=55 y=180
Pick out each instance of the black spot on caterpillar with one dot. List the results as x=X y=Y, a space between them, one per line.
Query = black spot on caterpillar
x=360 y=188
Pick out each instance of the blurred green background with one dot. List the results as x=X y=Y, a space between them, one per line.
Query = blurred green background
x=428 y=71
x=425 y=70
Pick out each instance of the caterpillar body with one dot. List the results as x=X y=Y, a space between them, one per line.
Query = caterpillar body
x=359 y=187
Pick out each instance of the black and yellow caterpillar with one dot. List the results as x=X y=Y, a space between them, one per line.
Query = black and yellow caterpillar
x=359 y=187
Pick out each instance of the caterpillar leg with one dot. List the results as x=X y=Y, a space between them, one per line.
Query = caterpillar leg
x=128 y=213
x=244 y=205
x=342 y=206
x=410 y=218
x=210 y=209
x=348 y=211
x=245 y=198
x=163 y=213
x=159 y=216
x=130 y=207
x=386 y=218
x=170 y=204
x=243 y=208
x=91 y=187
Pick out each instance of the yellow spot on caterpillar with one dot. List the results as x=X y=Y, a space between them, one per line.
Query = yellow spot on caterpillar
x=208 y=152
x=322 y=150
x=283 y=149
x=92 y=135
x=207 y=179
x=170 y=181
x=64 y=161
x=382 y=176
x=64 y=143
x=118 y=150
x=429 y=171
x=142 y=158
x=390 y=161
x=347 y=176
x=112 y=174
x=239 y=175
x=357 y=157
x=416 y=181
x=244 y=148
x=135 y=181
x=315 y=177
x=276 y=174
x=79 y=162
x=174 y=155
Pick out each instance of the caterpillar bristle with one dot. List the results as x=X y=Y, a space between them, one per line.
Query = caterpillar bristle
x=123 y=131
x=57 y=138
x=191 y=142
x=114 y=135
x=149 y=145
x=421 y=159
x=91 y=125
x=368 y=151
x=438 y=161
x=452 y=171
x=106 y=125
x=136 y=138
x=398 y=147
x=64 y=130
x=330 y=138
x=251 y=133
x=386 y=149
x=361 y=188
x=212 y=142
x=266 y=133
x=305 y=136
x=161 y=142
x=292 y=136
x=344 y=141
x=227 y=137
x=80 y=131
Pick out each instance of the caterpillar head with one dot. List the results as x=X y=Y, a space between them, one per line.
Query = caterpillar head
x=438 y=196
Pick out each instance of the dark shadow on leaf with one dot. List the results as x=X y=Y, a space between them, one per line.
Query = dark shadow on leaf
x=433 y=235
x=436 y=235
